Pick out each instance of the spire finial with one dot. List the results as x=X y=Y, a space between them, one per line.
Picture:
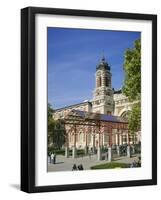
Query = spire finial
x=103 y=57
x=103 y=63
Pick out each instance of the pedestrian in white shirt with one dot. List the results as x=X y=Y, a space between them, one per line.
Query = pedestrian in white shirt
x=52 y=158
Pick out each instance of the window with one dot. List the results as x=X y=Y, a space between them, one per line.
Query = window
x=97 y=102
x=106 y=81
x=80 y=137
x=124 y=139
x=100 y=81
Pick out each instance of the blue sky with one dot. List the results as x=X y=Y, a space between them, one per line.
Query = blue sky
x=72 y=58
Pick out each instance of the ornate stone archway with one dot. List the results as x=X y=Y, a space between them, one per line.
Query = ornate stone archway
x=124 y=111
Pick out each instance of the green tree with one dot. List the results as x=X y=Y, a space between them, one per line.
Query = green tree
x=134 y=118
x=50 y=111
x=50 y=122
x=132 y=84
x=56 y=130
x=58 y=134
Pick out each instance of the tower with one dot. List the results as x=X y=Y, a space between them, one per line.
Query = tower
x=103 y=94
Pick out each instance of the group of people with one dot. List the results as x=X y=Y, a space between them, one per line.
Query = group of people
x=53 y=158
x=79 y=167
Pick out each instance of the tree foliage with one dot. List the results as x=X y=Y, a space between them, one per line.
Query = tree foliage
x=58 y=134
x=134 y=118
x=56 y=130
x=132 y=67
x=132 y=84
x=50 y=111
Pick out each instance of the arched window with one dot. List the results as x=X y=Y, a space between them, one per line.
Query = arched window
x=125 y=115
x=106 y=82
x=80 y=137
x=100 y=81
x=89 y=138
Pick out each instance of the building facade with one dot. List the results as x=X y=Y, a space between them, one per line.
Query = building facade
x=105 y=101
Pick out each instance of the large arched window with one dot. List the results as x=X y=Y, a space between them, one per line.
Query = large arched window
x=125 y=115
x=80 y=136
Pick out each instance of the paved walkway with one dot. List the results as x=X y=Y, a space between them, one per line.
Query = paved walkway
x=65 y=164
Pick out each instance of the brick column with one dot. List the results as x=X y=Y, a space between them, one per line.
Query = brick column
x=120 y=138
x=66 y=143
x=110 y=145
x=99 y=156
x=86 y=134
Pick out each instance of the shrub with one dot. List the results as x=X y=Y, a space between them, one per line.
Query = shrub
x=111 y=165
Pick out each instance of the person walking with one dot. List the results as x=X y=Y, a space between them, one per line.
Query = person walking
x=49 y=157
x=52 y=158
x=80 y=167
x=74 y=168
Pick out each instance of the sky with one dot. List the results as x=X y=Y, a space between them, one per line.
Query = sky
x=73 y=55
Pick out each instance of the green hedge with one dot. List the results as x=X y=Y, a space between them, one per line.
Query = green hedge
x=111 y=165
x=80 y=152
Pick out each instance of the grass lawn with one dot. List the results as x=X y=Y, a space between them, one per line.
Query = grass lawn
x=111 y=165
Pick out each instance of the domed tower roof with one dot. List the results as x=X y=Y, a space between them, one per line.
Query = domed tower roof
x=103 y=64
